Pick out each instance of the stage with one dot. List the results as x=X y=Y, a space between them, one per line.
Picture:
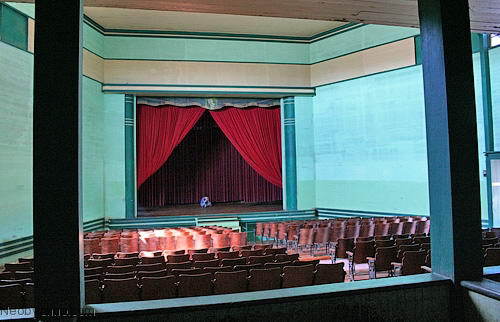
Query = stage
x=218 y=208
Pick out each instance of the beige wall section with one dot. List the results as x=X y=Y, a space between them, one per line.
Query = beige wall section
x=31 y=35
x=377 y=59
x=205 y=73
x=93 y=66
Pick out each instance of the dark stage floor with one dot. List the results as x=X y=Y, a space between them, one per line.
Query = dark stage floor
x=221 y=208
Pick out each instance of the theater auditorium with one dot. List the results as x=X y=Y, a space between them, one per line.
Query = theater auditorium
x=265 y=160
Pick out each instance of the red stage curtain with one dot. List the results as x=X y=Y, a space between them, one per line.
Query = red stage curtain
x=256 y=134
x=160 y=130
x=205 y=163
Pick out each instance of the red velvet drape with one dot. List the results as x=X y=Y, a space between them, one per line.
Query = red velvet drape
x=161 y=129
x=256 y=134
x=205 y=163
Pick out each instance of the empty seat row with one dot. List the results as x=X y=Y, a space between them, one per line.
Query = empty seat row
x=221 y=282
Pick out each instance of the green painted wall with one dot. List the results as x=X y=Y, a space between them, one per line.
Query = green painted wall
x=357 y=39
x=26 y=8
x=304 y=132
x=92 y=149
x=205 y=50
x=370 y=143
x=93 y=40
x=114 y=155
x=495 y=93
x=16 y=138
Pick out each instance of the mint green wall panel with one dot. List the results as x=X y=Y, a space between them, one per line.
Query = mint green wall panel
x=304 y=132
x=114 y=155
x=93 y=40
x=370 y=146
x=13 y=28
x=16 y=139
x=205 y=50
x=26 y=8
x=495 y=93
x=480 y=135
x=92 y=150
x=358 y=39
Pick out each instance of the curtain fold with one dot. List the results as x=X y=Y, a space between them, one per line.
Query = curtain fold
x=160 y=130
x=256 y=134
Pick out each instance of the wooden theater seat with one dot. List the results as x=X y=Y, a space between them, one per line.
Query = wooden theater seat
x=155 y=288
x=120 y=290
x=195 y=285
x=92 y=292
x=230 y=282
x=329 y=273
x=294 y=276
x=264 y=279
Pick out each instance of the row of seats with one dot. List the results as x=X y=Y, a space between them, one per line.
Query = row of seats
x=220 y=282
x=321 y=231
x=136 y=240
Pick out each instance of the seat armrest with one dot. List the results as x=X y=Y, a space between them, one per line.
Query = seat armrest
x=370 y=259
x=349 y=253
x=427 y=269
x=396 y=264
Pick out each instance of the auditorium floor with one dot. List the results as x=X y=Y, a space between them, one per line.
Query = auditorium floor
x=218 y=208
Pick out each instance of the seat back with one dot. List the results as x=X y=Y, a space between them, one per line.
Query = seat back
x=412 y=262
x=195 y=285
x=278 y=264
x=233 y=261
x=186 y=271
x=202 y=256
x=286 y=257
x=100 y=262
x=223 y=255
x=344 y=245
x=384 y=256
x=329 y=273
x=11 y=296
x=248 y=267
x=492 y=256
x=103 y=256
x=127 y=255
x=178 y=258
x=262 y=246
x=294 y=276
x=260 y=259
x=404 y=248
x=160 y=273
x=150 y=267
x=206 y=263
x=275 y=251
x=127 y=261
x=92 y=292
x=171 y=266
x=362 y=250
x=213 y=270
x=155 y=288
x=12 y=267
x=255 y=252
x=230 y=282
x=154 y=260
x=120 y=290
x=384 y=243
x=120 y=269
x=264 y=279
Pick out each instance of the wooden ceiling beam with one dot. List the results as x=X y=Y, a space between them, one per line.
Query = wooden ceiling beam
x=485 y=14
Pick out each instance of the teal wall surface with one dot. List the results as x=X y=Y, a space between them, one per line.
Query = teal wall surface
x=357 y=39
x=16 y=138
x=157 y=48
x=92 y=149
x=304 y=131
x=495 y=93
x=114 y=156
x=369 y=142
x=26 y=8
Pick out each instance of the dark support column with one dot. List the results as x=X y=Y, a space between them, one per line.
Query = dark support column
x=451 y=139
x=290 y=172
x=57 y=216
x=130 y=181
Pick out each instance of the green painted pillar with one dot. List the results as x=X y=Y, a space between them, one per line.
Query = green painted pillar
x=290 y=162
x=489 y=143
x=130 y=180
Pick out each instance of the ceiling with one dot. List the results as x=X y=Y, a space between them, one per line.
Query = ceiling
x=485 y=14
x=132 y=19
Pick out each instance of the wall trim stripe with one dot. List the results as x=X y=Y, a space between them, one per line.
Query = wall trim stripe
x=24 y=244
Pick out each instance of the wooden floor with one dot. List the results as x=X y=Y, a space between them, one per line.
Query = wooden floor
x=221 y=208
